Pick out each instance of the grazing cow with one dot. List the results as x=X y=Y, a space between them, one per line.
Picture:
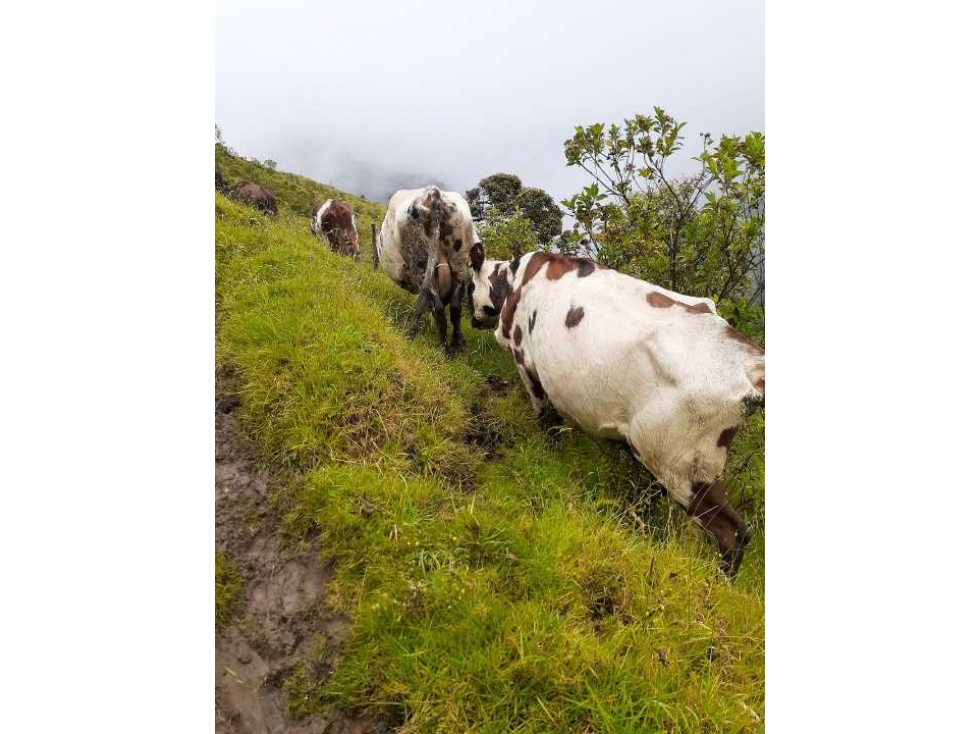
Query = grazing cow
x=336 y=222
x=249 y=192
x=630 y=361
x=424 y=246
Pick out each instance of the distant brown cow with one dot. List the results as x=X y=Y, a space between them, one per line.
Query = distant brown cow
x=249 y=192
x=336 y=221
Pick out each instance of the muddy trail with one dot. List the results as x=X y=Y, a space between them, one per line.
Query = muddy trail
x=281 y=610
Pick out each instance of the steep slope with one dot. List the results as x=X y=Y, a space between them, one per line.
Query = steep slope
x=297 y=194
x=497 y=578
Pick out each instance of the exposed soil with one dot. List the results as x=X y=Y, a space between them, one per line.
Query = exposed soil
x=281 y=609
x=497 y=385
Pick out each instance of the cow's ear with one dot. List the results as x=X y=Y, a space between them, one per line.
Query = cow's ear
x=476 y=256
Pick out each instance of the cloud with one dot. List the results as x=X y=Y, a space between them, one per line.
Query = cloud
x=373 y=96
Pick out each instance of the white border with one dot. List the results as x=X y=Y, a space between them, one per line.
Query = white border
x=870 y=501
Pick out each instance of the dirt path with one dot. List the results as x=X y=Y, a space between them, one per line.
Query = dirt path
x=281 y=610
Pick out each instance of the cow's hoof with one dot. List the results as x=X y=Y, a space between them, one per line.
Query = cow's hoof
x=455 y=346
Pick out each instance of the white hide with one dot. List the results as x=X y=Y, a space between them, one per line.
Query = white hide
x=667 y=380
x=316 y=223
x=398 y=224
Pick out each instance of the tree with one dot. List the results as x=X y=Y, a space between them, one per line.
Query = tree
x=500 y=190
x=506 y=193
x=701 y=234
x=270 y=164
x=506 y=237
x=544 y=215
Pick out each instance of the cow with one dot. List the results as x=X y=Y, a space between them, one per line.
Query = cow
x=249 y=192
x=424 y=246
x=336 y=222
x=630 y=361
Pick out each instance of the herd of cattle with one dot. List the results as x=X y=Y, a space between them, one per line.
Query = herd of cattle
x=617 y=356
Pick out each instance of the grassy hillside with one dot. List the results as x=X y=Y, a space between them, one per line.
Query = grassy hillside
x=298 y=194
x=498 y=578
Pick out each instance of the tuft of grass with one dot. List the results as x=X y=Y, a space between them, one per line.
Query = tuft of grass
x=227 y=587
x=498 y=578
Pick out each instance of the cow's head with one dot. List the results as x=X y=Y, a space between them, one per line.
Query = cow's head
x=488 y=288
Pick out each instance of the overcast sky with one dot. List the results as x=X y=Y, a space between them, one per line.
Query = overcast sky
x=377 y=96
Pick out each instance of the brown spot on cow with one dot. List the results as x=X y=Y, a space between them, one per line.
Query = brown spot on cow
x=517 y=355
x=658 y=300
x=560 y=266
x=536 y=262
x=661 y=300
x=737 y=336
x=517 y=335
x=726 y=438
x=574 y=317
x=509 y=308
x=557 y=266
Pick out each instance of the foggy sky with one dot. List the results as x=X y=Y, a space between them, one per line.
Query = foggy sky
x=375 y=96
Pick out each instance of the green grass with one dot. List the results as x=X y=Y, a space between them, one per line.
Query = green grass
x=297 y=194
x=227 y=587
x=498 y=578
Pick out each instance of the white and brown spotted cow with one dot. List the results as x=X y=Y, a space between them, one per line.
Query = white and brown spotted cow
x=630 y=361
x=424 y=246
x=336 y=222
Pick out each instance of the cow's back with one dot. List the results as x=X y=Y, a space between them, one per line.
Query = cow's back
x=605 y=349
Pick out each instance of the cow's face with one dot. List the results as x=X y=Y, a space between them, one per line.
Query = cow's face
x=488 y=288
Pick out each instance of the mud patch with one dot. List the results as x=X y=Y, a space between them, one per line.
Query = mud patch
x=497 y=385
x=282 y=613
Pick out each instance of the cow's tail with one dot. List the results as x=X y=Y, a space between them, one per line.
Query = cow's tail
x=436 y=212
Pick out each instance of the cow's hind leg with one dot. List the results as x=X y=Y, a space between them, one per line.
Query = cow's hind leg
x=455 y=315
x=438 y=312
x=709 y=507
